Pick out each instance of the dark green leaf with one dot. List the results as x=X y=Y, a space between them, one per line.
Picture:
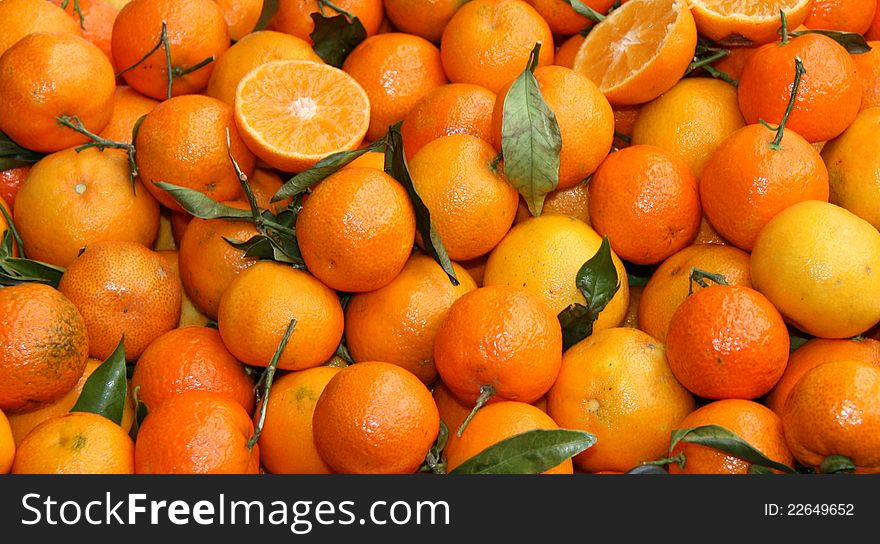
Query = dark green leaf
x=837 y=464
x=531 y=452
x=15 y=270
x=140 y=412
x=434 y=460
x=396 y=167
x=582 y=9
x=597 y=279
x=270 y=247
x=106 y=390
x=335 y=37
x=13 y=152
x=269 y=9
x=719 y=438
x=201 y=205
x=577 y=324
x=854 y=43
x=530 y=139
x=323 y=168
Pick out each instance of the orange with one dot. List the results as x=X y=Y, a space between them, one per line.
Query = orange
x=472 y=205
x=690 y=120
x=752 y=422
x=619 y=190
x=375 y=418
x=632 y=313
x=734 y=63
x=395 y=70
x=834 y=410
x=196 y=432
x=585 y=119
x=196 y=31
x=128 y=106
x=573 y=201
x=544 y=254
x=844 y=15
x=187 y=359
x=476 y=268
x=370 y=159
x=666 y=36
x=566 y=52
x=293 y=113
x=829 y=94
x=488 y=42
x=815 y=352
x=47 y=75
x=43 y=350
x=625 y=118
x=398 y=322
x=294 y=16
x=868 y=66
x=22 y=17
x=452 y=413
x=563 y=19
x=189 y=314
x=873 y=32
x=76 y=443
x=616 y=384
x=499 y=336
x=670 y=283
x=707 y=234
x=183 y=142
x=817 y=263
x=122 y=289
x=497 y=422
x=97 y=21
x=248 y=53
x=425 y=18
x=455 y=108
x=755 y=21
x=746 y=181
x=7 y=445
x=727 y=342
x=71 y=200
x=257 y=307
x=241 y=16
x=356 y=230
x=287 y=443
x=11 y=181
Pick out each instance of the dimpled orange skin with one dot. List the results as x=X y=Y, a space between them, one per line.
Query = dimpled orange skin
x=499 y=336
x=727 y=342
x=294 y=16
x=425 y=18
x=375 y=418
x=868 y=65
x=356 y=230
x=22 y=17
x=829 y=95
x=753 y=422
x=43 y=346
x=844 y=15
x=97 y=21
x=563 y=19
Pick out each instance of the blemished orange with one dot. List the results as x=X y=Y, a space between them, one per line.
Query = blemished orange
x=617 y=385
x=122 y=289
x=240 y=15
x=455 y=108
x=196 y=31
x=843 y=15
x=396 y=70
x=375 y=418
x=7 y=445
x=294 y=16
x=293 y=113
x=469 y=355
x=287 y=443
x=544 y=254
x=667 y=39
x=753 y=422
x=834 y=409
x=566 y=52
x=183 y=142
x=584 y=116
x=356 y=230
x=815 y=352
x=624 y=182
x=187 y=359
x=497 y=422
x=829 y=95
x=11 y=181
x=747 y=181
x=74 y=199
x=196 y=432
x=251 y=51
x=22 y=17
x=75 y=443
x=452 y=413
x=257 y=308
x=868 y=66
x=563 y=19
x=97 y=21
x=690 y=120
x=755 y=21
x=488 y=42
x=128 y=106
x=670 y=283
x=472 y=204
x=425 y=18
x=398 y=322
x=727 y=342
x=47 y=75
x=43 y=351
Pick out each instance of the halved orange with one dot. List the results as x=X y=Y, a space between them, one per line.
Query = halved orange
x=293 y=113
x=639 y=51
x=755 y=20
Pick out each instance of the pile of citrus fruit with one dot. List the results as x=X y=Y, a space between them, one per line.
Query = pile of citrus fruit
x=442 y=236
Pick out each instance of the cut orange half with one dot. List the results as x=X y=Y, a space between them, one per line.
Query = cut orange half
x=639 y=51
x=293 y=113
x=755 y=20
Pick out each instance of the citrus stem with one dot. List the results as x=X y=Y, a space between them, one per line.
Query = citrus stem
x=678 y=459
x=13 y=231
x=700 y=276
x=162 y=39
x=266 y=379
x=331 y=5
x=721 y=74
x=799 y=72
x=702 y=63
x=102 y=143
x=486 y=393
x=586 y=11
x=77 y=10
x=246 y=187
x=784 y=28
x=177 y=71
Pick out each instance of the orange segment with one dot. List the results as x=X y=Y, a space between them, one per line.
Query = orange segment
x=293 y=113
x=756 y=20
x=639 y=51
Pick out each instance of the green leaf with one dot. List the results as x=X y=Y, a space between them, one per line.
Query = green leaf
x=18 y=155
x=140 y=412
x=106 y=390
x=576 y=323
x=719 y=438
x=335 y=37
x=266 y=381
x=16 y=270
x=271 y=247
x=855 y=44
x=269 y=9
x=531 y=452
x=201 y=205
x=837 y=464
x=434 y=460
x=396 y=167
x=598 y=282
x=582 y=9
x=330 y=164
x=530 y=139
